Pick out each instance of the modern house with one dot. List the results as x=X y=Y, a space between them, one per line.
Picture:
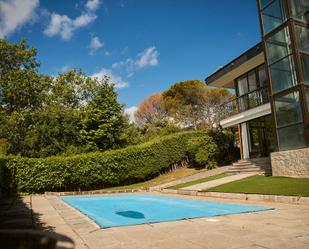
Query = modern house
x=271 y=81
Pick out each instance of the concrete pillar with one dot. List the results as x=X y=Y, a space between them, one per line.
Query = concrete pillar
x=245 y=141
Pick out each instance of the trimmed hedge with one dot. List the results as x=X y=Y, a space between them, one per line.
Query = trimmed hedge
x=97 y=170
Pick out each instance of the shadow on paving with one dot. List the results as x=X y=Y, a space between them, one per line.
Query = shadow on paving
x=20 y=227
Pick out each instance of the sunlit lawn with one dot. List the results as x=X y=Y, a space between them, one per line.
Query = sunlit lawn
x=206 y=179
x=272 y=185
x=168 y=177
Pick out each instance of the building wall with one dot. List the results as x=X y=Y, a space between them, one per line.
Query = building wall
x=293 y=163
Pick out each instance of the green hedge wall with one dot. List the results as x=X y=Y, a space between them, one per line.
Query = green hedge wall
x=96 y=170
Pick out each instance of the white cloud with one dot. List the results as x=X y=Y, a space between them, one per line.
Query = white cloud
x=95 y=44
x=149 y=57
x=92 y=5
x=131 y=111
x=115 y=79
x=64 y=26
x=15 y=13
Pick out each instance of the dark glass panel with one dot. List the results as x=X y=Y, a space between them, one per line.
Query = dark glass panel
x=278 y=45
x=273 y=15
x=291 y=137
x=302 y=35
x=242 y=85
x=299 y=8
x=305 y=66
x=288 y=109
x=262 y=76
x=282 y=74
x=252 y=81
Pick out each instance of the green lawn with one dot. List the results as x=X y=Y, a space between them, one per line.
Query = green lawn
x=207 y=179
x=168 y=177
x=272 y=185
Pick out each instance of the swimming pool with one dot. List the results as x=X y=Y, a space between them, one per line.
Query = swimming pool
x=133 y=209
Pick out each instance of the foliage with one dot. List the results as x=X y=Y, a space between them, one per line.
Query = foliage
x=97 y=170
x=228 y=151
x=192 y=104
x=150 y=110
x=42 y=116
x=202 y=152
x=103 y=120
x=158 y=128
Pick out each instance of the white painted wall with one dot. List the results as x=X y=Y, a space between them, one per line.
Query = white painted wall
x=245 y=140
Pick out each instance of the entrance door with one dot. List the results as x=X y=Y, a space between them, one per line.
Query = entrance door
x=258 y=142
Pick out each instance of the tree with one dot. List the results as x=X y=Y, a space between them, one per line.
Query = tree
x=191 y=104
x=21 y=86
x=103 y=120
x=184 y=102
x=42 y=116
x=150 y=110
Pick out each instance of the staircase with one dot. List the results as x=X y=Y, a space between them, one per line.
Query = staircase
x=261 y=166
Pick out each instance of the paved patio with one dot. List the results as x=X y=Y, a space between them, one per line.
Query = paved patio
x=285 y=227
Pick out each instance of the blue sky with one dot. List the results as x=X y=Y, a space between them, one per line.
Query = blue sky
x=144 y=45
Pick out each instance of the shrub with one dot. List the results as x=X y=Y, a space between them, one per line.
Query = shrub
x=97 y=170
x=202 y=152
x=225 y=139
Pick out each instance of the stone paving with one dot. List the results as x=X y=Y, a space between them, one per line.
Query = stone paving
x=214 y=183
x=287 y=226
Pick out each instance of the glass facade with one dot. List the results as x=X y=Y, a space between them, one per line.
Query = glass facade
x=261 y=134
x=287 y=109
x=273 y=14
x=299 y=8
x=292 y=137
x=282 y=74
x=278 y=45
x=286 y=39
x=302 y=37
x=252 y=89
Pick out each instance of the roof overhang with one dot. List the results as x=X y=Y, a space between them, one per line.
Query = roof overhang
x=225 y=76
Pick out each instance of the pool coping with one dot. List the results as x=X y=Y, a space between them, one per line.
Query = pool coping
x=297 y=200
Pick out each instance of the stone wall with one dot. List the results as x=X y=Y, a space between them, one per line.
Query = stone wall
x=293 y=163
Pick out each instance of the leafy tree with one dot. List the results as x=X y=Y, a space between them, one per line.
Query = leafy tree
x=191 y=104
x=202 y=152
x=184 y=102
x=150 y=110
x=42 y=115
x=103 y=120
x=21 y=86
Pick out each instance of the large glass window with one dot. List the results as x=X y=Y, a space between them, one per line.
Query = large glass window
x=278 y=45
x=299 y=8
x=282 y=74
x=302 y=35
x=242 y=85
x=252 y=81
x=272 y=13
x=291 y=137
x=288 y=109
x=262 y=76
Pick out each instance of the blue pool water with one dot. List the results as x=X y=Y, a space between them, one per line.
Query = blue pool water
x=133 y=209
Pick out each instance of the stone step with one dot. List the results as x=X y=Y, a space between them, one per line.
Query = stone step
x=246 y=167
x=242 y=164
